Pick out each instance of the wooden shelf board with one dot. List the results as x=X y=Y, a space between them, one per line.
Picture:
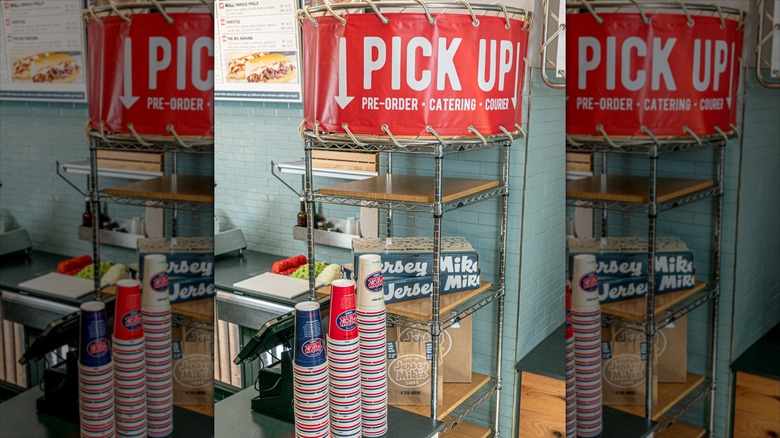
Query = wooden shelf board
x=182 y=188
x=632 y=189
x=682 y=430
x=454 y=395
x=468 y=430
x=207 y=410
x=636 y=309
x=202 y=309
x=420 y=308
x=669 y=394
x=408 y=188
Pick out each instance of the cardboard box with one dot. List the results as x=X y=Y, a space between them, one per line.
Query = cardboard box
x=190 y=265
x=623 y=371
x=454 y=344
x=627 y=256
x=409 y=374
x=413 y=256
x=193 y=365
x=671 y=346
x=398 y=289
x=613 y=289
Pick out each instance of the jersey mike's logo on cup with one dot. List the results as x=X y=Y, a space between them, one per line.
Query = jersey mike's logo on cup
x=160 y=282
x=313 y=348
x=347 y=320
x=589 y=282
x=98 y=347
x=132 y=320
x=374 y=281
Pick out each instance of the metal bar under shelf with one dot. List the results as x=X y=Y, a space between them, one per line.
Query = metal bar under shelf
x=425 y=207
x=418 y=147
x=470 y=405
x=628 y=207
x=639 y=147
x=686 y=404
x=157 y=203
x=150 y=143
x=677 y=311
x=458 y=313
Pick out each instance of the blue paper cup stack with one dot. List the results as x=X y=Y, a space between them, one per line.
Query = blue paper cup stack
x=96 y=374
x=310 y=374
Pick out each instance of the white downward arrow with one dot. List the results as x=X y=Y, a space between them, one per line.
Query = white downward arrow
x=731 y=76
x=342 y=99
x=517 y=75
x=127 y=97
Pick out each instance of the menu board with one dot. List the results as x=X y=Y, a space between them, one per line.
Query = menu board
x=257 y=51
x=43 y=51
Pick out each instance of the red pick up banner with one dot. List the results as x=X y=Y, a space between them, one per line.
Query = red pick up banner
x=409 y=74
x=665 y=75
x=151 y=73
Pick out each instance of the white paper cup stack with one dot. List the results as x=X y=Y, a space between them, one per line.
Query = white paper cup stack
x=571 y=373
x=586 y=324
x=156 y=310
x=372 y=329
x=96 y=374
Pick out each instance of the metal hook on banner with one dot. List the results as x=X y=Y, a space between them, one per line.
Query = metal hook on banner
x=592 y=11
x=649 y=133
x=507 y=133
x=209 y=5
x=116 y=11
x=641 y=11
x=720 y=13
x=317 y=132
x=338 y=17
x=382 y=18
x=131 y=127
x=102 y=132
x=474 y=19
x=722 y=134
x=167 y=17
x=386 y=130
x=692 y=134
x=309 y=16
x=351 y=135
x=506 y=14
x=86 y=127
x=431 y=20
x=173 y=132
x=475 y=132
x=600 y=129
x=302 y=127
x=94 y=16
x=433 y=132
x=685 y=11
x=520 y=130
x=571 y=141
x=736 y=131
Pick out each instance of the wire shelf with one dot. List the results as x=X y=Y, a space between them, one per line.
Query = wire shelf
x=686 y=404
x=471 y=404
x=150 y=143
x=419 y=146
x=644 y=208
x=674 y=313
x=458 y=313
x=639 y=147
x=427 y=207
x=157 y=203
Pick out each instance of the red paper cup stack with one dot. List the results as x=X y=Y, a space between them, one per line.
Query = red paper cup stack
x=96 y=374
x=586 y=325
x=571 y=373
x=372 y=329
x=156 y=311
x=129 y=361
x=344 y=362
x=310 y=374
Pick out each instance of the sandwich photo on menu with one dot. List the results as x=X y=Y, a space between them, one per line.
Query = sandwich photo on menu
x=261 y=67
x=48 y=67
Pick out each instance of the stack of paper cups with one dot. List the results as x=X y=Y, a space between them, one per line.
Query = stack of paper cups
x=310 y=374
x=586 y=325
x=96 y=373
x=344 y=362
x=129 y=361
x=372 y=329
x=156 y=311
x=571 y=382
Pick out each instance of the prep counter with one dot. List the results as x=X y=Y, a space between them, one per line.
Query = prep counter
x=234 y=417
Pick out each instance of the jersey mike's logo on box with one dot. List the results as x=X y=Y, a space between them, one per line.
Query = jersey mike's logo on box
x=347 y=320
x=312 y=348
x=617 y=289
x=374 y=281
x=186 y=289
x=159 y=282
x=624 y=371
x=132 y=320
x=410 y=371
x=98 y=347
x=408 y=288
